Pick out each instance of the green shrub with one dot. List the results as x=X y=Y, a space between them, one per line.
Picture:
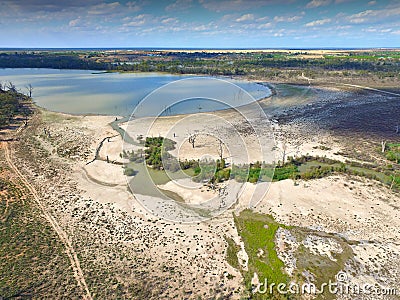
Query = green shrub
x=129 y=172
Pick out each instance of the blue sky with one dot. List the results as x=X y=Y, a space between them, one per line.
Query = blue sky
x=200 y=23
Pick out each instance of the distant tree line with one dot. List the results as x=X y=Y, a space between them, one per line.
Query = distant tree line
x=268 y=65
x=52 y=61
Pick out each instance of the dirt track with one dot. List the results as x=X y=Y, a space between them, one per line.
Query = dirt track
x=78 y=274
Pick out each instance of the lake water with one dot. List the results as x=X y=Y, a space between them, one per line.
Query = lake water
x=92 y=92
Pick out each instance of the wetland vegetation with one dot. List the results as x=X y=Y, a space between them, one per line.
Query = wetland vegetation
x=305 y=167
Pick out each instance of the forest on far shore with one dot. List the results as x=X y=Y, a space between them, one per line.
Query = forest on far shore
x=282 y=65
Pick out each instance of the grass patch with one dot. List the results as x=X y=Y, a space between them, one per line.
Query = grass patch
x=258 y=234
x=231 y=253
x=285 y=172
x=322 y=267
x=54 y=117
x=393 y=152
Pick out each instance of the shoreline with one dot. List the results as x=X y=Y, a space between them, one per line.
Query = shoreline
x=94 y=72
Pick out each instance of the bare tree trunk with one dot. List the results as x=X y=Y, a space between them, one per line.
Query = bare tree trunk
x=192 y=139
x=11 y=87
x=284 y=149
x=30 y=90
x=220 y=149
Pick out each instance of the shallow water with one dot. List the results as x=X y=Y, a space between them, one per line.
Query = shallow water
x=93 y=92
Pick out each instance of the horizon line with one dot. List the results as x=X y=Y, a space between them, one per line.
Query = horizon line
x=196 y=48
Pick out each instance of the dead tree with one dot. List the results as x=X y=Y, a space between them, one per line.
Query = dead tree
x=285 y=150
x=29 y=87
x=11 y=87
x=383 y=143
x=220 y=149
x=192 y=139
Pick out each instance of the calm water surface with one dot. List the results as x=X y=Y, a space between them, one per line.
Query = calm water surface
x=92 y=92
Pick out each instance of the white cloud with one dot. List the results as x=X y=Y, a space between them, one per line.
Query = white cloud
x=265 y=25
x=179 y=5
x=343 y=27
x=370 y=16
x=169 y=21
x=263 y=19
x=318 y=3
x=343 y=1
x=239 y=5
x=200 y=28
x=361 y=17
x=133 y=6
x=245 y=18
x=378 y=30
x=288 y=18
x=80 y=24
x=46 y=5
x=371 y=3
x=318 y=22
x=104 y=8
x=279 y=33
x=74 y=23
x=136 y=21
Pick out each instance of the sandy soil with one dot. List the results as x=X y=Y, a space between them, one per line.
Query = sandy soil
x=94 y=199
x=106 y=173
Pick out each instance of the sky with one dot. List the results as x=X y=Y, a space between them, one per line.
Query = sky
x=199 y=24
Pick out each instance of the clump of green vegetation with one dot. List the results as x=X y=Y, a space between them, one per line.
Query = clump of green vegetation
x=258 y=234
x=231 y=253
x=393 y=152
x=287 y=171
x=156 y=153
x=133 y=156
x=252 y=173
x=211 y=171
x=189 y=164
x=129 y=171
